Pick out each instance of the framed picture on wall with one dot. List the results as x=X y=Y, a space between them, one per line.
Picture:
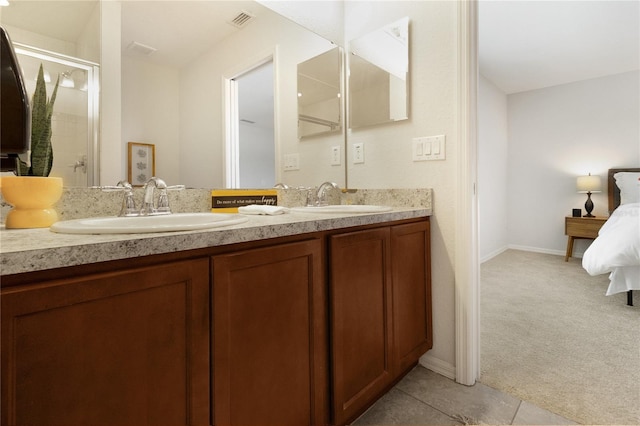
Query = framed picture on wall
x=141 y=163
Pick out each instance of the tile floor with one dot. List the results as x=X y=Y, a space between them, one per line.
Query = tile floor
x=423 y=397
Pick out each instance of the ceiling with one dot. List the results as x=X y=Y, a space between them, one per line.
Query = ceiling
x=181 y=30
x=523 y=45
x=528 y=45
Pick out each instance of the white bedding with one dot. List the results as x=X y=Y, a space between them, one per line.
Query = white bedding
x=617 y=250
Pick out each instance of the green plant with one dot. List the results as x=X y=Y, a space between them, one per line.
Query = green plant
x=41 y=112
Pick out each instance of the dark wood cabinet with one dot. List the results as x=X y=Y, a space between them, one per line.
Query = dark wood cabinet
x=380 y=298
x=128 y=347
x=269 y=337
x=301 y=330
x=411 y=278
x=361 y=305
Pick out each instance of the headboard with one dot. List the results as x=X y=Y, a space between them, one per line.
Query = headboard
x=612 y=188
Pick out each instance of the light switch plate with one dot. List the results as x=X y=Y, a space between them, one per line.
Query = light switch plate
x=418 y=145
x=437 y=147
x=335 y=155
x=358 y=153
x=428 y=148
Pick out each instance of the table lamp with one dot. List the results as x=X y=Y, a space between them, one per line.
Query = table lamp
x=588 y=184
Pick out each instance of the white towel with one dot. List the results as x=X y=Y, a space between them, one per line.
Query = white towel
x=262 y=209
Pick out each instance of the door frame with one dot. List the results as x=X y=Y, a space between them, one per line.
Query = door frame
x=230 y=124
x=467 y=266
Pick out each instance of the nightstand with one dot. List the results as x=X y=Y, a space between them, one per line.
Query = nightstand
x=581 y=227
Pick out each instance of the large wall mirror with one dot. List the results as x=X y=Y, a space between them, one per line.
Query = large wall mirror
x=320 y=94
x=176 y=61
x=378 y=76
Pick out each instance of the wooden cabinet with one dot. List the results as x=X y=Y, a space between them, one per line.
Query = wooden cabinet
x=380 y=297
x=580 y=227
x=309 y=329
x=269 y=339
x=411 y=278
x=361 y=305
x=128 y=347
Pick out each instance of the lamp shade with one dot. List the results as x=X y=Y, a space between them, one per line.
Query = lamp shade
x=589 y=184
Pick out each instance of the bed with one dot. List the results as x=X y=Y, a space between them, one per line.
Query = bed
x=616 y=250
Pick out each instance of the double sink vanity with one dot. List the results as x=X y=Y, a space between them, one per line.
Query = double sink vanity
x=300 y=318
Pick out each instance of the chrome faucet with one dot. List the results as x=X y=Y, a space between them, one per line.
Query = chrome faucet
x=149 y=208
x=312 y=201
x=148 y=204
x=321 y=194
x=128 y=202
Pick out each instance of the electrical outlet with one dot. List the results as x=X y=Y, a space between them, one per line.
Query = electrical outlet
x=358 y=153
x=335 y=155
x=291 y=162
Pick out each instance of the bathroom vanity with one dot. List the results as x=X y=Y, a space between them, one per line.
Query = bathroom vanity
x=288 y=320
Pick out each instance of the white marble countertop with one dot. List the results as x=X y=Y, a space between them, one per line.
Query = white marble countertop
x=26 y=250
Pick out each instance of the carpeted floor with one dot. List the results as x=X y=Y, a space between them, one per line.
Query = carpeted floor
x=550 y=336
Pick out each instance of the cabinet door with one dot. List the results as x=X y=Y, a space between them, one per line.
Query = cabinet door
x=411 y=272
x=128 y=347
x=269 y=340
x=360 y=288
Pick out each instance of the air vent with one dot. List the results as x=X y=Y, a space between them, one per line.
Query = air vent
x=241 y=19
x=140 y=48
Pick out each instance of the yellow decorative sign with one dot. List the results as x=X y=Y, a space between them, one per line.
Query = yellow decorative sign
x=228 y=200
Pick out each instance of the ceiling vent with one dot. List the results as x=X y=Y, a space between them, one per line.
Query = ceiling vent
x=241 y=19
x=140 y=48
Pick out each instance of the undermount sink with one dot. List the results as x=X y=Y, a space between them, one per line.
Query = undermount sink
x=146 y=224
x=343 y=208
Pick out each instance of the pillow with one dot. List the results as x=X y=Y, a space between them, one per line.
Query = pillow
x=629 y=184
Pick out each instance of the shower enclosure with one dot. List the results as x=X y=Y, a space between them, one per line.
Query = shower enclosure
x=75 y=126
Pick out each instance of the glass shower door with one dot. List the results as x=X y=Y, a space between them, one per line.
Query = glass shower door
x=75 y=113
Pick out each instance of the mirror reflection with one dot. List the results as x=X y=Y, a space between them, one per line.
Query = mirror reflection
x=46 y=33
x=319 y=94
x=378 y=76
x=178 y=62
x=195 y=111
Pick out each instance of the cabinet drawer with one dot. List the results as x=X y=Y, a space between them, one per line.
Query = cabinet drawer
x=583 y=227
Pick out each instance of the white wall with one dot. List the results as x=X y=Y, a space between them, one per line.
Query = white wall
x=19 y=35
x=89 y=40
x=150 y=113
x=202 y=148
x=113 y=155
x=492 y=169
x=388 y=148
x=557 y=134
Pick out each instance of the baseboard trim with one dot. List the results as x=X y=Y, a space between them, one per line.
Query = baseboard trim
x=536 y=250
x=439 y=366
x=527 y=248
x=494 y=254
